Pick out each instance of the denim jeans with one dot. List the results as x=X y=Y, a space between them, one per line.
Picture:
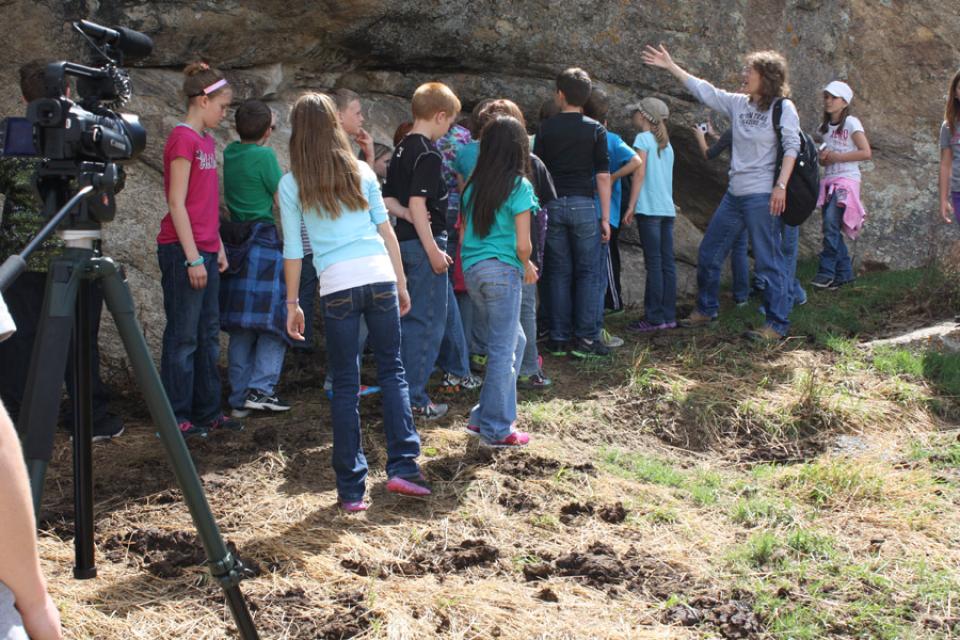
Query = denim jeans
x=740 y=268
x=255 y=360
x=454 y=356
x=834 y=259
x=733 y=215
x=362 y=335
x=474 y=326
x=308 y=297
x=423 y=327
x=790 y=246
x=191 y=339
x=660 y=292
x=530 y=363
x=377 y=304
x=570 y=267
x=496 y=288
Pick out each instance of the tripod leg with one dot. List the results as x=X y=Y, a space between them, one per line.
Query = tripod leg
x=84 y=567
x=223 y=566
x=41 y=401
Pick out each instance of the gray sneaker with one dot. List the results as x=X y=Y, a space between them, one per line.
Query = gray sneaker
x=431 y=411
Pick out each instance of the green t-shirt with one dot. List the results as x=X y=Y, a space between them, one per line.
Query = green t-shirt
x=251 y=175
x=501 y=242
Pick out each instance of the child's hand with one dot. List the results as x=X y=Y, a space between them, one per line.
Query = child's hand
x=197 y=276
x=404 y=298
x=42 y=621
x=222 y=263
x=946 y=211
x=295 y=322
x=365 y=140
x=604 y=231
x=827 y=158
x=530 y=275
x=699 y=134
x=440 y=262
x=627 y=218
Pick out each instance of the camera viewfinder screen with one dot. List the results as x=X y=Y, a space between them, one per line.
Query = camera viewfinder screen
x=18 y=137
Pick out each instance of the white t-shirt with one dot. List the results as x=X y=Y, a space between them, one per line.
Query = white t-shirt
x=840 y=140
x=356 y=272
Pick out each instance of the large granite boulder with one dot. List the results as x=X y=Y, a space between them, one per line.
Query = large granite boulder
x=896 y=55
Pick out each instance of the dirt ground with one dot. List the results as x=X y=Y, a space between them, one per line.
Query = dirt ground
x=623 y=519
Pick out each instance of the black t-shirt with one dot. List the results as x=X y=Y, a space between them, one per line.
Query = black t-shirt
x=415 y=170
x=574 y=149
x=542 y=181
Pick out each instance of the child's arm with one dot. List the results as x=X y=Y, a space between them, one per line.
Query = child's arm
x=635 y=186
x=396 y=209
x=626 y=169
x=393 y=248
x=439 y=261
x=177 y=200
x=946 y=163
x=521 y=222
x=295 y=318
x=19 y=562
x=603 y=189
x=701 y=141
x=862 y=153
x=291 y=215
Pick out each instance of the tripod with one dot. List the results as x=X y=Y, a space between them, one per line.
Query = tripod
x=66 y=310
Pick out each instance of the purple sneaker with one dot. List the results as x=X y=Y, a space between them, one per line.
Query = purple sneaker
x=352 y=506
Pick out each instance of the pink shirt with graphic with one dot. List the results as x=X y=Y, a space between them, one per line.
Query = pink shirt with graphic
x=203 y=189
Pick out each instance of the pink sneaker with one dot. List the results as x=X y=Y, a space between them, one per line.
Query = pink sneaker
x=515 y=440
x=472 y=430
x=353 y=506
x=415 y=487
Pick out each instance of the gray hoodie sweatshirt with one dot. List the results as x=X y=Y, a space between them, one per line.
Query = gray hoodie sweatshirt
x=753 y=158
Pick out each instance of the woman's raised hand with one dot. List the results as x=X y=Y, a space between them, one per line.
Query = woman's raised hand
x=657 y=57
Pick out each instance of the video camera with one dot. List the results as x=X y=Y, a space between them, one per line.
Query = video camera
x=81 y=141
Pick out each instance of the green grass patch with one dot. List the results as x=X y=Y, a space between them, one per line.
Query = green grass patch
x=828 y=483
x=643 y=468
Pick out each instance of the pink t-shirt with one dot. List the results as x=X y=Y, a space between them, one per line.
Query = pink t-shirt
x=203 y=190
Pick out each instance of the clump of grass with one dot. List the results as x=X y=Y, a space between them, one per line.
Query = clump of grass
x=753 y=512
x=643 y=468
x=833 y=482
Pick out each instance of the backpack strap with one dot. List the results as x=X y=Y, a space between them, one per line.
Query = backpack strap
x=777 y=113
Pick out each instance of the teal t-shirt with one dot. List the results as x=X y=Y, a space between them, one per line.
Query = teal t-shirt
x=501 y=242
x=251 y=175
x=656 y=195
x=466 y=160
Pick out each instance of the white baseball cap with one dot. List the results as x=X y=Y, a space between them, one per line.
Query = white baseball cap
x=840 y=90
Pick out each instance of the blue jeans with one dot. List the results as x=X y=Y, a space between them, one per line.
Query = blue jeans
x=834 y=259
x=362 y=335
x=474 y=326
x=308 y=296
x=377 y=304
x=191 y=339
x=740 y=268
x=570 y=266
x=496 y=288
x=423 y=327
x=733 y=215
x=255 y=360
x=660 y=293
x=454 y=356
x=530 y=363
x=790 y=246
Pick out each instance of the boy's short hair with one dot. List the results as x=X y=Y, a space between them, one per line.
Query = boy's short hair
x=597 y=105
x=32 y=84
x=432 y=98
x=574 y=83
x=343 y=97
x=253 y=119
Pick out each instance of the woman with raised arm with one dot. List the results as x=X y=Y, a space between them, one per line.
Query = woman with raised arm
x=756 y=196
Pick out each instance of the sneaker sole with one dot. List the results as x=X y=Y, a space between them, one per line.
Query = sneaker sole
x=491 y=445
x=817 y=285
x=263 y=406
x=239 y=413
x=105 y=438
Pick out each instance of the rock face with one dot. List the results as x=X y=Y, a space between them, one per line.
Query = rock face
x=897 y=55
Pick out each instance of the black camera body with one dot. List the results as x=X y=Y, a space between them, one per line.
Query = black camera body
x=82 y=141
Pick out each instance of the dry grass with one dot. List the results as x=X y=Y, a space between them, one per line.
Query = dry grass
x=724 y=459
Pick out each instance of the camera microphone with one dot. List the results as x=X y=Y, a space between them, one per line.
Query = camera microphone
x=132 y=43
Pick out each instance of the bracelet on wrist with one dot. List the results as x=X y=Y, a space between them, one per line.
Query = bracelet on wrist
x=297 y=301
x=195 y=263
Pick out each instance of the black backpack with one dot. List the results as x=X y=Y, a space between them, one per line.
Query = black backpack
x=803 y=188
